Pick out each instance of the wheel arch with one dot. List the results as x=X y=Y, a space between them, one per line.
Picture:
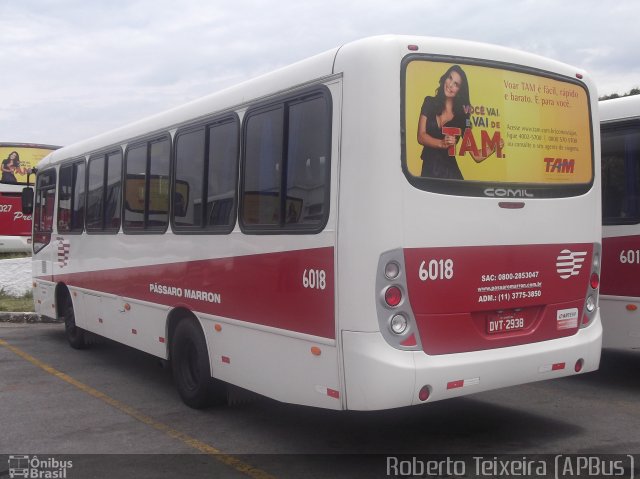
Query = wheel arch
x=174 y=317
x=62 y=296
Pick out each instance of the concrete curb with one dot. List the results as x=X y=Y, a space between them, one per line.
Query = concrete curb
x=25 y=318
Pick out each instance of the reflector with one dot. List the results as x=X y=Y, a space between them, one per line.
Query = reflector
x=424 y=393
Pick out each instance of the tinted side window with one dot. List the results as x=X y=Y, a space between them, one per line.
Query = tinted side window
x=159 y=185
x=147 y=185
x=113 y=192
x=286 y=174
x=621 y=174
x=222 y=175
x=263 y=168
x=44 y=207
x=204 y=198
x=104 y=180
x=308 y=163
x=135 y=187
x=189 y=183
x=71 y=198
x=95 y=194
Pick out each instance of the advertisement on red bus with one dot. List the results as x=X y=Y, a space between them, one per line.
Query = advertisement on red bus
x=17 y=161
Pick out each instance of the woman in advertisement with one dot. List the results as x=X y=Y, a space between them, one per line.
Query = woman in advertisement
x=449 y=108
x=10 y=166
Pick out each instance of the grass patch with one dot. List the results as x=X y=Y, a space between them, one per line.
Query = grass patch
x=16 y=305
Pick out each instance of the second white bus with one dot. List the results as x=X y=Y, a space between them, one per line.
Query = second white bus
x=396 y=221
x=620 y=300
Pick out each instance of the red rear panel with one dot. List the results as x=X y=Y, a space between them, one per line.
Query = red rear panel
x=483 y=297
x=12 y=221
x=621 y=266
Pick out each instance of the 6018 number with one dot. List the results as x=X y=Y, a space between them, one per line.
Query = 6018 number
x=436 y=269
x=630 y=256
x=314 y=279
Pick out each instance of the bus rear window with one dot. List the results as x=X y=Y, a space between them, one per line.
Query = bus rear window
x=479 y=129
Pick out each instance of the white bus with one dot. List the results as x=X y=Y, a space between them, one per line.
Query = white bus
x=620 y=133
x=294 y=236
x=15 y=227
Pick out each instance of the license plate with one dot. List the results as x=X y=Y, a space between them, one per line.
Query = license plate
x=506 y=322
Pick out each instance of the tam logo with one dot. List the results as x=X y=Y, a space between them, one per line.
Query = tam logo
x=569 y=263
x=559 y=165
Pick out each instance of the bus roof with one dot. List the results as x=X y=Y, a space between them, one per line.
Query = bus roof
x=320 y=66
x=4 y=144
x=625 y=108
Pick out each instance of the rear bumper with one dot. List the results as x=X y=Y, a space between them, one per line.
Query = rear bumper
x=378 y=376
x=15 y=244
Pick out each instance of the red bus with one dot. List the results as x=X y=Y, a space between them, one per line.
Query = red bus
x=17 y=160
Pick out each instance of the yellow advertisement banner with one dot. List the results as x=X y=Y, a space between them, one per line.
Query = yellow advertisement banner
x=18 y=159
x=493 y=125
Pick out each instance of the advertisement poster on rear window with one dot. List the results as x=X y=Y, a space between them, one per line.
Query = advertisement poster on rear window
x=479 y=123
x=17 y=160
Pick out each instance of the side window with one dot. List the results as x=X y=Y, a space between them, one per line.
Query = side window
x=113 y=192
x=189 y=185
x=104 y=179
x=286 y=174
x=135 y=188
x=621 y=174
x=44 y=207
x=204 y=189
x=222 y=175
x=71 y=198
x=159 y=185
x=308 y=163
x=261 y=200
x=147 y=183
x=95 y=194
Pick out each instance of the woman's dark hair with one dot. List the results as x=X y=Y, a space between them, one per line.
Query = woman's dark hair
x=17 y=156
x=461 y=99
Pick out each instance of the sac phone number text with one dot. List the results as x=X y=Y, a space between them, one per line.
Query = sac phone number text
x=509 y=276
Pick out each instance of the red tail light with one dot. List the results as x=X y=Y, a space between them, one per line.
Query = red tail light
x=595 y=281
x=393 y=296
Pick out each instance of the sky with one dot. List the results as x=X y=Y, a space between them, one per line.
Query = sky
x=71 y=69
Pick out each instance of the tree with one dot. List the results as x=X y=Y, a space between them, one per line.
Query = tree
x=633 y=91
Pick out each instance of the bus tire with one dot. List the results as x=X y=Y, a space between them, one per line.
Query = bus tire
x=75 y=335
x=190 y=367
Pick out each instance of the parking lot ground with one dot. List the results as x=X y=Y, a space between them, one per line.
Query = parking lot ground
x=116 y=412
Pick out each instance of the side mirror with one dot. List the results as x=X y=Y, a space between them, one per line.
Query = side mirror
x=27 y=200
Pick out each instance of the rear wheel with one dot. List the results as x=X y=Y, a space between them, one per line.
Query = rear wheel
x=190 y=367
x=74 y=334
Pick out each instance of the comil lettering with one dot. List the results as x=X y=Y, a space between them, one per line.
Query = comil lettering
x=507 y=193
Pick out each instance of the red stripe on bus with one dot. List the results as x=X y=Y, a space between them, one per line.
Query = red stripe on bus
x=292 y=290
x=620 y=266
